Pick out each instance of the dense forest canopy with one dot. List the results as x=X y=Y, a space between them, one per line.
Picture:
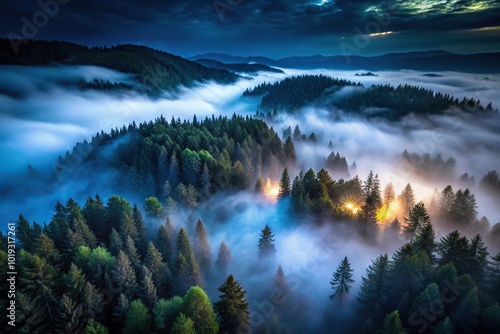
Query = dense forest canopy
x=108 y=265
x=274 y=223
x=155 y=71
x=385 y=101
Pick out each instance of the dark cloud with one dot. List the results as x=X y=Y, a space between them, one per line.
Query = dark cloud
x=257 y=26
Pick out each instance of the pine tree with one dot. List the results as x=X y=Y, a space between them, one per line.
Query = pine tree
x=284 y=185
x=444 y=327
x=121 y=308
x=425 y=240
x=232 y=307
x=205 y=181
x=115 y=242
x=289 y=150
x=148 y=288
x=407 y=199
x=163 y=243
x=465 y=315
x=478 y=260
x=266 y=243
x=44 y=247
x=75 y=281
x=202 y=247
x=138 y=318
x=174 y=170
x=198 y=307
x=187 y=270
x=389 y=195
x=125 y=276
x=159 y=269
x=454 y=248
x=140 y=241
x=183 y=325
x=375 y=286
x=392 y=324
x=94 y=327
x=342 y=280
x=38 y=281
x=223 y=258
x=418 y=218
x=280 y=281
x=94 y=214
x=166 y=311
x=25 y=235
x=132 y=253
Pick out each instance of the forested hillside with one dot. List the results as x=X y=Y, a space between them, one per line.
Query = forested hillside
x=107 y=266
x=383 y=101
x=155 y=71
x=186 y=161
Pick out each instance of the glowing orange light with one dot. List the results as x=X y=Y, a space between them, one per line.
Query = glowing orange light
x=271 y=190
x=386 y=213
x=351 y=207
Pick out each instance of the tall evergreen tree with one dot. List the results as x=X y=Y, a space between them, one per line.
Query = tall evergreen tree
x=198 y=307
x=183 y=325
x=407 y=199
x=342 y=280
x=163 y=243
x=187 y=270
x=148 y=289
x=232 y=307
x=125 y=276
x=284 y=185
x=266 y=243
x=141 y=240
x=375 y=285
x=392 y=324
x=174 y=170
x=223 y=258
x=202 y=248
x=418 y=217
x=205 y=181
x=138 y=318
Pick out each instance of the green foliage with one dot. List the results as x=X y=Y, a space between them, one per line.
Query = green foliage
x=392 y=324
x=138 y=318
x=266 y=243
x=198 y=307
x=375 y=285
x=223 y=258
x=284 y=186
x=94 y=327
x=342 y=280
x=295 y=92
x=232 y=308
x=186 y=266
x=418 y=219
x=166 y=311
x=183 y=325
x=154 y=70
x=202 y=248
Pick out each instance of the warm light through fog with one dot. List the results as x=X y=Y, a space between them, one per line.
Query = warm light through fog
x=271 y=190
x=387 y=213
x=351 y=207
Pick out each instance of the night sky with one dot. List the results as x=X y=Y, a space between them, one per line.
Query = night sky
x=270 y=28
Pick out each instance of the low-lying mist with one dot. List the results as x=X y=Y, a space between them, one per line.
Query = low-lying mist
x=42 y=117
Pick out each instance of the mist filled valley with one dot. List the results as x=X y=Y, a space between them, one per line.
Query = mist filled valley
x=150 y=193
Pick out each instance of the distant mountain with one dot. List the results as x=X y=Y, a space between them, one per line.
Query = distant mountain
x=155 y=71
x=436 y=60
x=229 y=59
x=247 y=68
